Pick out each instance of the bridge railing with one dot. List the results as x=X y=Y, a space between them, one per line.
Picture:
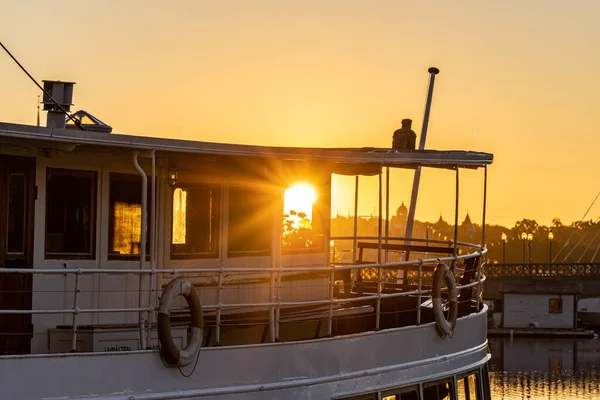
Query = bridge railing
x=542 y=270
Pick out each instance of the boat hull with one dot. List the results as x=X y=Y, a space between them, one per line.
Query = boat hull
x=325 y=368
x=589 y=318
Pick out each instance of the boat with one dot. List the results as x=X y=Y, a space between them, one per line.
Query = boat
x=153 y=268
x=588 y=311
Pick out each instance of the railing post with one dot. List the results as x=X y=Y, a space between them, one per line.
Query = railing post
x=480 y=284
x=219 y=305
x=355 y=237
x=272 y=305
x=455 y=252
x=331 y=292
x=278 y=307
x=387 y=218
x=485 y=209
x=379 y=258
x=75 y=310
x=420 y=280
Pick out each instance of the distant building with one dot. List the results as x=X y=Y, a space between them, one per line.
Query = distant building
x=398 y=221
x=402 y=213
x=540 y=305
x=467 y=225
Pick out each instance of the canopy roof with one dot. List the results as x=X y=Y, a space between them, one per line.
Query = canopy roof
x=363 y=160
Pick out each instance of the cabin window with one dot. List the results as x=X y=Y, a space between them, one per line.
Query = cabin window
x=196 y=216
x=411 y=393
x=125 y=215
x=555 y=306
x=468 y=387
x=370 y=396
x=302 y=220
x=439 y=391
x=250 y=221
x=70 y=213
x=17 y=195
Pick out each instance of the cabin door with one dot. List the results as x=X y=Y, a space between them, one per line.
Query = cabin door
x=16 y=251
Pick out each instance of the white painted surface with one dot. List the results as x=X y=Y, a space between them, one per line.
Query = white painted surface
x=532 y=310
x=317 y=369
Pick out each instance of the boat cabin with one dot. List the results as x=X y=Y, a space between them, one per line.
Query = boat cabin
x=80 y=207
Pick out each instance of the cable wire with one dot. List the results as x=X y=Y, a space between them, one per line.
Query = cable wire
x=588 y=246
x=579 y=241
x=75 y=120
x=573 y=232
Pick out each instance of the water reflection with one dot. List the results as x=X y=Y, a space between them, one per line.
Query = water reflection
x=550 y=369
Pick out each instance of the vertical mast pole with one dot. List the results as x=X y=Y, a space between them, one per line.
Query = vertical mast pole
x=415 y=189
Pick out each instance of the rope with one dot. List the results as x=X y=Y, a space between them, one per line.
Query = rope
x=75 y=120
x=193 y=369
x=179 y=368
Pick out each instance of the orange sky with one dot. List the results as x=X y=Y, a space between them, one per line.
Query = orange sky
x=518 y=79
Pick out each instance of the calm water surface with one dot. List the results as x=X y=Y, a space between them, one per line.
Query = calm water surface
x=548 y=369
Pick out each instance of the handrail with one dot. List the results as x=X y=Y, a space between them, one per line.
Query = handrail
x=274 y=301
x=389 y=265
x=543 y=270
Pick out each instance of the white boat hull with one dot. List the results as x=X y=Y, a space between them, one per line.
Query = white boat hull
x=322 y=369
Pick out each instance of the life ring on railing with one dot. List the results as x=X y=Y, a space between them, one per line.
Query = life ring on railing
x=445 y=326
x=172 y=355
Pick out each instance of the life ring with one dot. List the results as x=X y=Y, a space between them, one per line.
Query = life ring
x=171 y=354
x=445 y=326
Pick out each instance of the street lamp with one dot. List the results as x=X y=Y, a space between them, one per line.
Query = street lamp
x=529 y=239
x=523 y=238
x=332 y=249
x=504 y=239
x=550 y=238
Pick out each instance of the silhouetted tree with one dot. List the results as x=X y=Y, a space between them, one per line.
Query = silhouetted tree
x=527 y=225
x=297 y=231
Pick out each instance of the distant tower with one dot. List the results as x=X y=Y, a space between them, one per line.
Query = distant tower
x=402 y=213
x=467 y=225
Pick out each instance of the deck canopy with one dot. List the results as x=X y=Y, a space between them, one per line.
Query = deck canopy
x=349 y=161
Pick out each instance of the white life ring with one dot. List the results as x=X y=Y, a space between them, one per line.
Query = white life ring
x=172 y=355
x=445 y=326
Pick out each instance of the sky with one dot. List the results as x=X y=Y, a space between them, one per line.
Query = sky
x=517 y=79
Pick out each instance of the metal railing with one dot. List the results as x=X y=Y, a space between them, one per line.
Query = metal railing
x=544 y=270
x=274 y=303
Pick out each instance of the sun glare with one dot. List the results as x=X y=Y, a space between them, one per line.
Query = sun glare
x=299 y=198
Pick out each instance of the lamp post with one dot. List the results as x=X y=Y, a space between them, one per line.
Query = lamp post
x=504 y=239
x=529 y=239
x=332 y=249
x=523 y=238
x=550 y=238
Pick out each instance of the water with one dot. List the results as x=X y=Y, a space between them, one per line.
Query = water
x=545 y=369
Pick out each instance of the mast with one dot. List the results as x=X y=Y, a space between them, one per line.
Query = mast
x=433 y=71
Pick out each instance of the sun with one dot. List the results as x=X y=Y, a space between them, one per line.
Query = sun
x=299 y=198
